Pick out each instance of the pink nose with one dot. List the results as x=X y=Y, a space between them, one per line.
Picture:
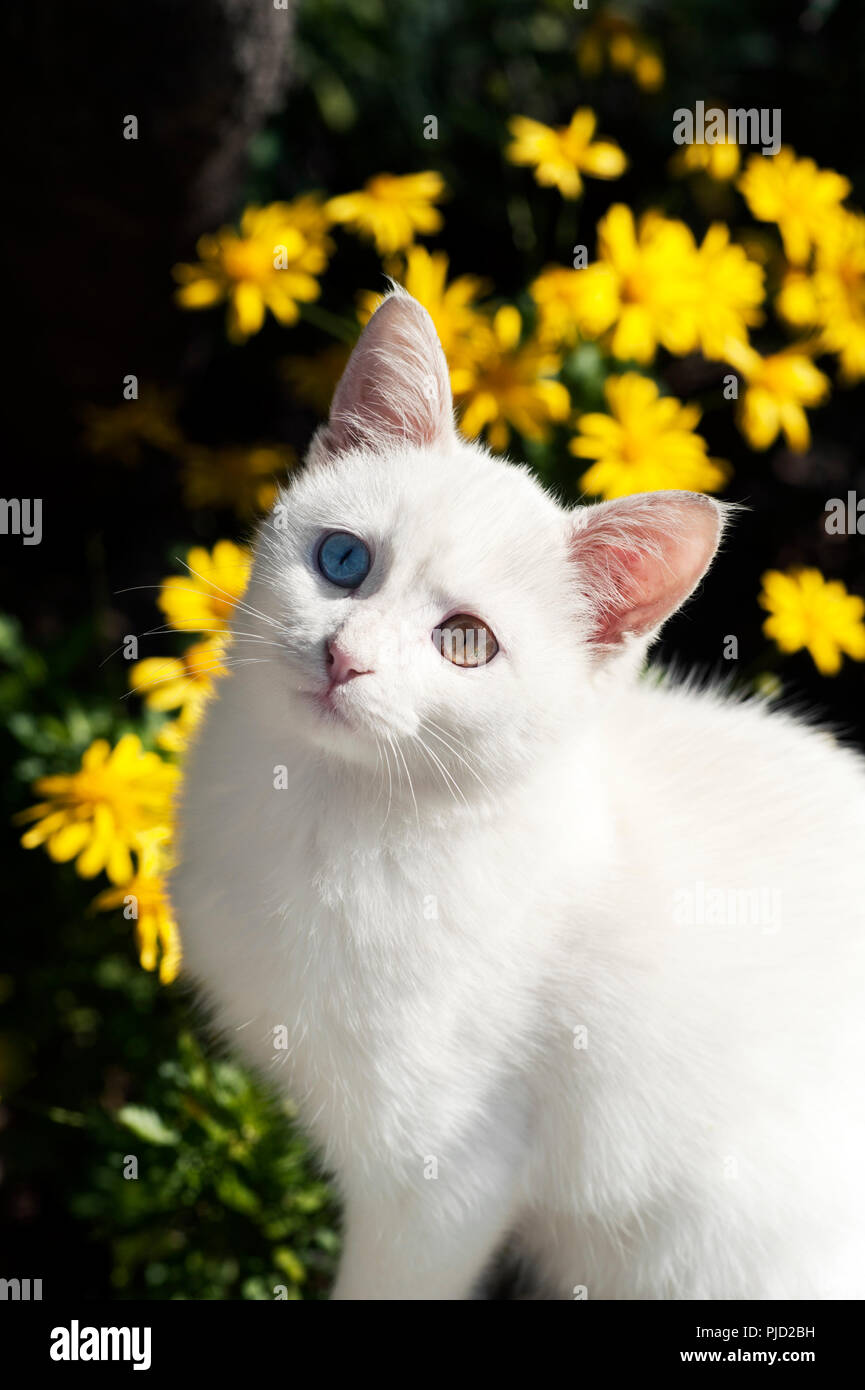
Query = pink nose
x=341 y=665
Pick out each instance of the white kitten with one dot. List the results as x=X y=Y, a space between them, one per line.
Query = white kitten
x=565 y=961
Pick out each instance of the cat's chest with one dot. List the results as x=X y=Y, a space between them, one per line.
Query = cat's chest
x=368 y=973
x=362 y=994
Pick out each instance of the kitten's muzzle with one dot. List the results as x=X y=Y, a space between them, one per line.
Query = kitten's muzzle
x=341 y=665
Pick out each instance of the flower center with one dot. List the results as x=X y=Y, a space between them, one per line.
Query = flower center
x=635 y=287
x=249 y=260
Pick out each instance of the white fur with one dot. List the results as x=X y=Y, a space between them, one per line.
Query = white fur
x=431 y=939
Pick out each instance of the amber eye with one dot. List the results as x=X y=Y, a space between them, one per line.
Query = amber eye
x=465 y=640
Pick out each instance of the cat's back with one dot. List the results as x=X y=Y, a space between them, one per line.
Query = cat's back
x=712 y=764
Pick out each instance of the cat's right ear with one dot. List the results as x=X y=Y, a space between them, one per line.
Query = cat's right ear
x=637 y=559
x=395 y=388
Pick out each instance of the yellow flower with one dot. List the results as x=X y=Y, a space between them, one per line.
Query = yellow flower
x=510 y=387
x=648 y=70
x=778 y=387
x=170 y=682
x=314 y=379
x=646 y=443
x=720 y=162
x=839 y=291
x=462 y=329
x=271 y=264
x=119 y=431
x=308 y=215
x=391 y=209
x=562 y=305
x=728 y=291
x=561 y=154
x=203 y=599
x=144 y=898
x=796 y=194
x=796 y=300
x=465 y=331
x=819 y=615
x=234 y=476
x=642 y=286
x=95 y=815
x=175 y=734
x=655 y=287
x=627 y=49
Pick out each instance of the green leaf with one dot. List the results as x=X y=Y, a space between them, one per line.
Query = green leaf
x=146 y=1124
x=236 y=1194
x=287 y=1261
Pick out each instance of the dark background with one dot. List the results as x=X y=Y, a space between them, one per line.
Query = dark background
x=240 y=102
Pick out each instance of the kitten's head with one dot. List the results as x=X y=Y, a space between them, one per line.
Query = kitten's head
x=436 y=603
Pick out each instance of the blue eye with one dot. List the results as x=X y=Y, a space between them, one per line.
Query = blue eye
x=344 y=559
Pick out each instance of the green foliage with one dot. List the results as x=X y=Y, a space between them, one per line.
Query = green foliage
x=222 y=1204
x=100 y=1064
x=98 y=1061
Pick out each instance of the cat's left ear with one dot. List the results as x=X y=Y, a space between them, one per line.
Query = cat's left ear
x=396 y=387
x=638 y=558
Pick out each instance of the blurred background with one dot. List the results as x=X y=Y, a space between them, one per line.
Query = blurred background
x=162 y=370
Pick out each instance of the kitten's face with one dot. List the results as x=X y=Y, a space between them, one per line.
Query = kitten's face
x=432 y=607
x=462 y=631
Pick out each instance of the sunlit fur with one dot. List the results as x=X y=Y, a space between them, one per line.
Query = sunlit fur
x=457 y=890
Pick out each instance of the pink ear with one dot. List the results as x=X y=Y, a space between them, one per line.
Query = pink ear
x=396 y=387
x=639 y=558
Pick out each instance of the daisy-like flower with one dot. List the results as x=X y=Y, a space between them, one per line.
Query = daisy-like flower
x=203 y=599
x=511 y=386
x=646 y=443
x=96 y=815
x=235 y=476
x=176 y=734
x=796 y=194
x=309 y=215
x=121 y=431
x=614 y=38
x=720 y=162
x=778 y=389
x=728 y=291
x=462 y=329
x=642 y=287
x=796 y=300
x=272 y=263
x=560 y=155
x=816 y=614
x=839 y=291
x=561 y=302
x=144 y=897
x=392 y=209
x=168 y=682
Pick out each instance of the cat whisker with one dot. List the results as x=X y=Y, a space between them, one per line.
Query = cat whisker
x=410 y=783
x=436 y=765
x=224 y=665
x=166 y=630
x=426 y=724
x=236 y=603
x=389 y=787
x=449 y=733
x=395 y=761
x=379 y=773
x=452 y=785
